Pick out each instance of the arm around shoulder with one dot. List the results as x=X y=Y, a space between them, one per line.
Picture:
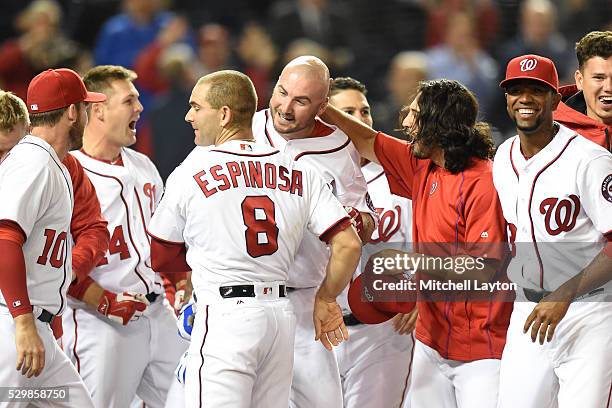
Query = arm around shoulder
x=362 y=136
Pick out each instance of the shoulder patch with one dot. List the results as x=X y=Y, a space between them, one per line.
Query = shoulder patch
x=606 y=188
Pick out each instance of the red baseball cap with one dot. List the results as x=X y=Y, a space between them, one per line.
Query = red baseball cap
x=57 y=88
x=533 y=67
x=373 y=312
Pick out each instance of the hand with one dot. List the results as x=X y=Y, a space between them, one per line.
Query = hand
x=328 y=323
x=545 y=317
x=29 y=346
x=182 y=294
x=122 y=307
x=404 y=323
x=185 y=321
x=356 y=218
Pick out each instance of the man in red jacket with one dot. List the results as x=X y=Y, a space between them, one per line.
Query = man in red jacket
x=587 y=106
x=445 y=170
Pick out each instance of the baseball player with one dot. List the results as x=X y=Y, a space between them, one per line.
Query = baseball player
x=237 y=211
x=374 y=350
x=120 y=316
x=555 y=189
x=35 y=209
x=290 y=125
x=446 y=172
x=587 y=106
x=87 y=227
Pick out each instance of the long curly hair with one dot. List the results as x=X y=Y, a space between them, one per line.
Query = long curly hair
x=447 y=119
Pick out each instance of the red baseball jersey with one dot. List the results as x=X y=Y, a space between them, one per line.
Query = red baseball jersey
x=451 y=208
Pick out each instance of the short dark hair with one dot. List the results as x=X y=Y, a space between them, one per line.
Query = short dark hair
x=594 y=44
x=50 y=118
x=234 y=90
x=344 y=83
x=447 y=119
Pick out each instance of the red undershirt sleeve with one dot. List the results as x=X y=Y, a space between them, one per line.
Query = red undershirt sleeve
x=169 y=259
x=13 y=283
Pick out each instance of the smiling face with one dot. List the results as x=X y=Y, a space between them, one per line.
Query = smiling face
x=595 y=81
x=299 y=96
x=203 y=118
x=121 y=112
x=530 y=105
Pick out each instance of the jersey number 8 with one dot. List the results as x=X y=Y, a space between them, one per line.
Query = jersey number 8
x=261 y=233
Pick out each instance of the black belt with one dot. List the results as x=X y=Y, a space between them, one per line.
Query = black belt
x=350 y=320
x=152 y=297
x=536 y=296
x=46 y=316
x=235 y=291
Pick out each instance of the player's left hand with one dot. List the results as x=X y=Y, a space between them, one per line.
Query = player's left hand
x=182 y=294
x=544 y=319
x=404 y=323
x=329 y=325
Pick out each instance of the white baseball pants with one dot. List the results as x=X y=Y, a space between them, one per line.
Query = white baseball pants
x=118 y=362
x=58 y=371
x=241 y=354
x=375 y=366
x=316 y=377
x=441 y=383
x=573 y=370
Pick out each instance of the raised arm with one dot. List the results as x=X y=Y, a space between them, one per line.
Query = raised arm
x=362 y=136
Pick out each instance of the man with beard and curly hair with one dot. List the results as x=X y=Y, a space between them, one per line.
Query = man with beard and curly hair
x=446 y=171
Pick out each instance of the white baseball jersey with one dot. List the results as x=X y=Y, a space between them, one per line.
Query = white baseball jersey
x=336 y=160
x=128 y=197
x=376 y=349
x=242 y=209
x=36 y=193
x=394 y=212
x=558 y=203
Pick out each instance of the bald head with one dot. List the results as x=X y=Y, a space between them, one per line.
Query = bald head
x=308 y=69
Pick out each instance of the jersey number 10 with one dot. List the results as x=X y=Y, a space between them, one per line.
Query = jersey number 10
x=261 y=233
x=57 y=254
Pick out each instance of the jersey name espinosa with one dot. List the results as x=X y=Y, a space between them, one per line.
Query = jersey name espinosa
x=249 y=174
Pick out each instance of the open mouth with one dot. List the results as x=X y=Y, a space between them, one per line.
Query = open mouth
x=285 y=117
x=132 y=126
x=606 y=100
x=526 y=112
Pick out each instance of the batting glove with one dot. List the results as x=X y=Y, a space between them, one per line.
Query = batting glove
x=181 y=369
x=356 y=219
x=122 y=307
x=185 y=320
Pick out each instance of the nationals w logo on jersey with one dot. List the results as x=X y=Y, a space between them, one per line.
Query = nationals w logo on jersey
x=563 y=212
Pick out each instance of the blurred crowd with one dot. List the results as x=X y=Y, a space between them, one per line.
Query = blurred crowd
x=390 y=45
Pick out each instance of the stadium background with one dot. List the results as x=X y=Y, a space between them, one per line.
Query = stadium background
x=388 y=44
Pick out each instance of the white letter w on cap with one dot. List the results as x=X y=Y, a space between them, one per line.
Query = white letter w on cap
x=528 y=64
